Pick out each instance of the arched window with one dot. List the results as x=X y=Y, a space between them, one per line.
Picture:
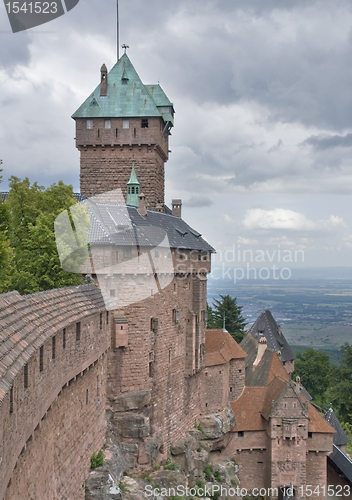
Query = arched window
x=132 y=189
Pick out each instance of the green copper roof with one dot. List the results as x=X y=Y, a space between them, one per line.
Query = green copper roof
x=133 y=177
x=126 y=97
x=133 y=189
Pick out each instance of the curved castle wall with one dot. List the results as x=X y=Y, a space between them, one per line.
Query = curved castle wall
x=53 y=378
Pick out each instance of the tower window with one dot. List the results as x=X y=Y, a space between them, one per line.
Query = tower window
x=132 y=189
x=144 y=123
x=125 y=123
x=89 y=124
x=137 y=190
x=107 y=123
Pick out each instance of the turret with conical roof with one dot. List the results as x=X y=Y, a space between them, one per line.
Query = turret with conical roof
x=133 y=189
x=123 y=121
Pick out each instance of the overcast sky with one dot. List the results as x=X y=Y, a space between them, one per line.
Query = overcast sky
x=261 y=149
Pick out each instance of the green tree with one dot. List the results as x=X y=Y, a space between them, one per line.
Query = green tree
x=32 y=212
x=340 y=390
x=234 y=321
x=6 y=253
x=314 y=369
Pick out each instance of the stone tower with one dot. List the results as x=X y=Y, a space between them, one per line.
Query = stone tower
x=121 y=122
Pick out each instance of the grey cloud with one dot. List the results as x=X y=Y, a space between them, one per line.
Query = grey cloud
x=322 y=143
x=198 y=201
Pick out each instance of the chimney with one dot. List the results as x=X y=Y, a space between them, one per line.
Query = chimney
x=141 y=205
x=176 y=207
x=159 y=206
x=104 y=81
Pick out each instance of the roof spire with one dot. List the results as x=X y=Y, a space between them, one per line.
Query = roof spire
x=124 y=46
x=133 y=189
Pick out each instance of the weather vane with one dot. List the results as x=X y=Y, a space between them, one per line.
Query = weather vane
x=124 y=46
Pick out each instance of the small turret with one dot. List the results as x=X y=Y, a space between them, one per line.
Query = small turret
x=133 y=189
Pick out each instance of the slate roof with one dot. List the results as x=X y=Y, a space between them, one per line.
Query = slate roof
x=268 y=368
x=120 y=225
x=266 y=326
x=132 y=99
x=220 y=348
x=78 y=196
x=342 y=462
x=26 y=322
x=340 y=437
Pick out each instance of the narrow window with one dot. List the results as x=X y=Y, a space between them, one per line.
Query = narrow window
x=101 y=321
x=89 y=124
x=199 y=255
x=154 y=323
x=132 y=189
x=230 y=389
x=53 y=347
x=98 y=133
x=11 y=400
x=169 y=355
x=144 y=123
x=137 y=190
x=134 y=132
x=107 y=317
x=116 y=132
x=107 y=123
x=41 y=358
x=125 y=123
x=127 y=252
x=26 y=376
x=86 y=396
x=175 y=315
x=64 y=338
x=78 y=331
x=150 y=368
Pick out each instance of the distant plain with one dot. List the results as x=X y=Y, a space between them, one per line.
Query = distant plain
x=314 y=306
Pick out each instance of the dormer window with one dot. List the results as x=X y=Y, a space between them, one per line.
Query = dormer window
x=144 y=123
x=89 y=124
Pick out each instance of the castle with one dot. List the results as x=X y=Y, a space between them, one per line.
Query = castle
x=134 y=354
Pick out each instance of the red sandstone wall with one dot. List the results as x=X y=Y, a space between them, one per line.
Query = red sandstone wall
x=47 y=397
x=216 y=387
x=237 y=378
x=317 y=472
x=176 y=398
